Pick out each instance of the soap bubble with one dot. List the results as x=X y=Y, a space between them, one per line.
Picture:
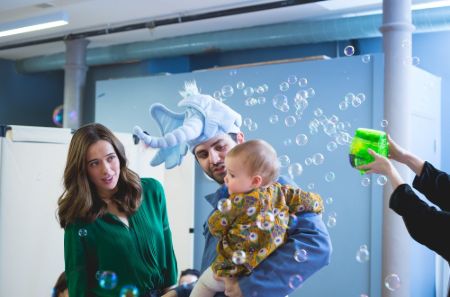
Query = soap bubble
x=392 y=282
x=382 y=180
x=290 y=121
x=284 y=160
x=301 y=139
x=365 y=59
x=331 y=222
x=239 y=257
x=227 y=91
x=292 y=79
x=302 y=82
x=330 y=176
x=284 y=86
x=265 y=220
x=224 y=205
x=365 y=181
x=107 y=280
x=331 y=146
x=240 y=85
x=253 y=126
x=248 y=91
x=57 y=116
x=301 y=255
x=318 y=158
x=349 y=50
x=295 y=169
x=362 y=255
x=295 y=281
x=129 y=291
x=273 y=119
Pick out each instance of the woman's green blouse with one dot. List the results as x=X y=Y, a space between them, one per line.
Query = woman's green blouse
x=104 y=256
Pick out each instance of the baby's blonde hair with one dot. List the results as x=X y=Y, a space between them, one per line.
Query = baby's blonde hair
x=258 y=158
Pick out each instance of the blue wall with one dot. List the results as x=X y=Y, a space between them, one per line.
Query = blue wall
x=29 y=99
x=432 y=49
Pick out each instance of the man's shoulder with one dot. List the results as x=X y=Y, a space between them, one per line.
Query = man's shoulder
x=284 y=180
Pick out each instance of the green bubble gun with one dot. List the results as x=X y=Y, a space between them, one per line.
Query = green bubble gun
x=363 y=140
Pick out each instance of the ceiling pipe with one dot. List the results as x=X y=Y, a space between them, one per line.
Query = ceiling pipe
x=283 y=34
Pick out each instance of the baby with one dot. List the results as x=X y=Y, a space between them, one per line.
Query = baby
x=252 y=222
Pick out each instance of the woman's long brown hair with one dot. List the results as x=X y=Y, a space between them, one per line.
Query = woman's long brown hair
x=79 y=199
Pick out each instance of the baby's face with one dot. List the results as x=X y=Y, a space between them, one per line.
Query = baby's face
x=237 y=178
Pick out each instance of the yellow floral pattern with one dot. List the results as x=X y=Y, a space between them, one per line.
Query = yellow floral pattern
x=256 y=224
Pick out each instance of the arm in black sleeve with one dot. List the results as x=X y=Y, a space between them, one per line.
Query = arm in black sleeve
x=435 y=185
x=422 y=221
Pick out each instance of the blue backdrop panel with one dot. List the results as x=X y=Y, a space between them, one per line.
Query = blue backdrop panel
x=328 y=123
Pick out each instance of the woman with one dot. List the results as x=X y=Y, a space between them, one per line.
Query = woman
x=421 y=219
x=117 y=239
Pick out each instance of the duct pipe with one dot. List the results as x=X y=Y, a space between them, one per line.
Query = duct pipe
x=74 y=82
x=397 y=39
x=283 y=34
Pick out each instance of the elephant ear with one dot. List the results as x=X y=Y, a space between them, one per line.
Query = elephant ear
x=167 y=122
x=170 y=156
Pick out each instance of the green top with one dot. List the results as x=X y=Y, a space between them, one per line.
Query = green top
x=140 y=255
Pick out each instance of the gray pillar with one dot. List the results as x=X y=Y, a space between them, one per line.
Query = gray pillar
x=74 y=82
x=397 y=40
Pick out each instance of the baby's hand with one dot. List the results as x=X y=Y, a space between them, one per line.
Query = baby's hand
x=232 y=288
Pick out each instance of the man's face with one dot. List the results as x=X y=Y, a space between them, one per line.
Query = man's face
x=211 y=155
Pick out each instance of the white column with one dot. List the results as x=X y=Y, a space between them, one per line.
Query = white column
x=74 y=82
x=397 y=40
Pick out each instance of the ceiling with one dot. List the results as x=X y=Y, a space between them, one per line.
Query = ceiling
x=89 y=15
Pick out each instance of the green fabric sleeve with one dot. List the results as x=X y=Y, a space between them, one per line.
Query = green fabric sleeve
x=75 y=261
x=170 y=267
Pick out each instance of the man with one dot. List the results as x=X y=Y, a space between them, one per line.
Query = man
x=210 y=129
x=188 y=276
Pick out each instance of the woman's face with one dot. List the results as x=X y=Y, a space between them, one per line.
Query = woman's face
x=103 y=168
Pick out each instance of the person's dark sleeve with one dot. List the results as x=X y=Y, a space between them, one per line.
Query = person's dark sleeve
x=435 y=185
x=422 y=221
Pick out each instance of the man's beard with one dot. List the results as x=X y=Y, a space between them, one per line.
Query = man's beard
x=218 y=176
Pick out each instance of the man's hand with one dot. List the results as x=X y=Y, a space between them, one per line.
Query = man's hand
x=232 y=288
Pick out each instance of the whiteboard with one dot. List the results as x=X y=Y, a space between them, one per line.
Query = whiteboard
x=32 y=161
